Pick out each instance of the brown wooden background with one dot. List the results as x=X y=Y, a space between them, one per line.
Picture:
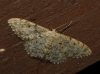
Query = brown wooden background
x=85 y=15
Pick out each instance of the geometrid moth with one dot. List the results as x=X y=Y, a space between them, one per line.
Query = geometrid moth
x=45 y=44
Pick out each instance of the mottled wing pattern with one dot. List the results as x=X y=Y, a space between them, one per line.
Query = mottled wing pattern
x=38 y=47
x=45 y=44
x=24 y=29
x=63 y=47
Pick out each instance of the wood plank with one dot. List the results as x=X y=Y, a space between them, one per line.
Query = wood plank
x=50 y=14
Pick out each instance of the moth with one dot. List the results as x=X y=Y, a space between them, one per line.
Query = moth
x=47 y=44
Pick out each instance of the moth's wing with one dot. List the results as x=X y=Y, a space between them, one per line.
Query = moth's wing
x=63 y=47
x=75 y=48
x=24 y=29
x=38 y=47
x=55 y=54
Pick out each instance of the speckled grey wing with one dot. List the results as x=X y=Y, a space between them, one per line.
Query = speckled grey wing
x=56 y=47
x=63 y=47
x=75 y=48
x=38 y=47
x=24 y=29
x=56 y=55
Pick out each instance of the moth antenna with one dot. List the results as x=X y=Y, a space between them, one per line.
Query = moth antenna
x=62 y=26
x=62 y=30
x=66 y=27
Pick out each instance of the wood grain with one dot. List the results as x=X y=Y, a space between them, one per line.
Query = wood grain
x=50 y=14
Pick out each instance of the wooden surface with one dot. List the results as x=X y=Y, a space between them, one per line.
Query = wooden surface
x=85 y=15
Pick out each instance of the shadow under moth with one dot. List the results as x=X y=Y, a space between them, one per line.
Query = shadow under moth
x=46 y=44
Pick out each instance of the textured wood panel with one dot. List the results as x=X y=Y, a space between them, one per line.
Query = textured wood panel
x=85 y=15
